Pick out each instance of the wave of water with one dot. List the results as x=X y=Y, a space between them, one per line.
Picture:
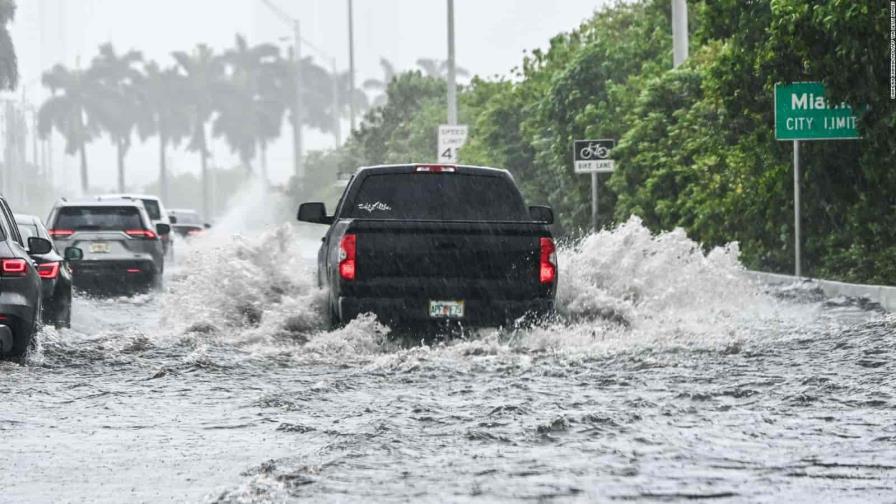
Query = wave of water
x=619 y=289
x=250 y=285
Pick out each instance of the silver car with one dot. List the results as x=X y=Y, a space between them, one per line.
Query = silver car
x=156 y=211
x=121 y=245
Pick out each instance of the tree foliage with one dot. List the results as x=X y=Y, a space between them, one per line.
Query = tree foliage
x=242 y=94
x=696 y=144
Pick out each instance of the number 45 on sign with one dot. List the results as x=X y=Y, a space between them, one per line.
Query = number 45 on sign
x=451 y=139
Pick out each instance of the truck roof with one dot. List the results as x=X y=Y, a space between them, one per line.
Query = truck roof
x=411 y=167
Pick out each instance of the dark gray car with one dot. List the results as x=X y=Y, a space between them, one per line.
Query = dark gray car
x=20 y=286
x=55 y=274
x=121 y=245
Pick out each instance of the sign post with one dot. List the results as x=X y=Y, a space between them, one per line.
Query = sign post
x=451 y=139
x=803 y=113
x=797 y=243
x=593 y=156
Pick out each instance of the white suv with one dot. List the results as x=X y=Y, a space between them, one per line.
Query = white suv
x=157 y=213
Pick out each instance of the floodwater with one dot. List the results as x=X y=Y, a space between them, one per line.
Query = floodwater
x=669 y=376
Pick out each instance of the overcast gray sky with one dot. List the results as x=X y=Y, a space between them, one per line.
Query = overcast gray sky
x=491 y=37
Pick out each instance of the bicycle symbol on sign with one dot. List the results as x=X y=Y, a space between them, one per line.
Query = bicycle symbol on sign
x=594 y=150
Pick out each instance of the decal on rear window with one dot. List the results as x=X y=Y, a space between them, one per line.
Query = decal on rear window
x=379 y=206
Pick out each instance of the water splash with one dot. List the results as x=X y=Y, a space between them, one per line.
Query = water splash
x=255 y=290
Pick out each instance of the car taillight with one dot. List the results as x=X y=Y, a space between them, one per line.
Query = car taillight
x=61 y=233
x=13 y=267
x=147 y=234
x=48 y=270
x=347 y=256
x=547 y=270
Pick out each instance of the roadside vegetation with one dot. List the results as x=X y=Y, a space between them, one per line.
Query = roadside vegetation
x=696 y=144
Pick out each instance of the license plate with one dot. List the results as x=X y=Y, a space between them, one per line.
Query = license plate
x=446 y=309
x=99 y=248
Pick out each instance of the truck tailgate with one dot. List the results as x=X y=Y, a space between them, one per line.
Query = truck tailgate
x=452 y=258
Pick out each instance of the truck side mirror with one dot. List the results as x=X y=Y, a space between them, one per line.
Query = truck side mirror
x=172 y=219
x=315 y=213
x=162 y=228
x=541 y=214
x=39 y=246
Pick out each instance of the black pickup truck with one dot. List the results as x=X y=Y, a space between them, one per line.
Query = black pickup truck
x=434 y=244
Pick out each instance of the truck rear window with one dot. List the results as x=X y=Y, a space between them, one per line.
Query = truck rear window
x=438 y=196
x=99 y=218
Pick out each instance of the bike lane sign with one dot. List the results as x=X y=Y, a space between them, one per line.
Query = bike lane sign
x=593 y=156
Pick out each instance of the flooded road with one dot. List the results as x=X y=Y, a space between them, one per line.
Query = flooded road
x=669 y=376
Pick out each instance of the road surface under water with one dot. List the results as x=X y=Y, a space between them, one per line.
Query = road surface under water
x=670 y=376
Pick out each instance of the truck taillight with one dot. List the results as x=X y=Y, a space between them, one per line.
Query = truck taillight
x=48 y=270
x=547 y=270
x=13 y=267
x=347 y=256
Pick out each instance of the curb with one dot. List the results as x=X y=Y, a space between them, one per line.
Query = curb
x=881 y=294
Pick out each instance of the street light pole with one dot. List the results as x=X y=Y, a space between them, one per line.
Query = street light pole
x=351 y=64
x=452 y=77
x=337 y=105
x=297 y=113
x=679 y=32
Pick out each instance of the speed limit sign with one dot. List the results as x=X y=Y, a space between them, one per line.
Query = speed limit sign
x=451 y=139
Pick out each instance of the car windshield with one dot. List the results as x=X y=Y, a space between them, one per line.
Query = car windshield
x=99 y=218
x=152 y=208
x=443 y=196
x=28 y=230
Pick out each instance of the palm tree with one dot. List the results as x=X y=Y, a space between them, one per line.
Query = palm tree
x=70 y=110
x=9 y=71
x=317 y=93
x=164 y=113
x=249 y=109
x=118 y=80
x=439 y=68
x=203 y=80
x=380 y=86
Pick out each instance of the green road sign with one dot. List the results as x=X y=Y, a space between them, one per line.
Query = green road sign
x=803 y=113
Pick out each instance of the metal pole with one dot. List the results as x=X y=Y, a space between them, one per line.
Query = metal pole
x=49 y=157
x=297 y=116
x=37 y=164
x=452 y=84
x=337 y=106
x=594 y=216
x=679 y=32
x=351 y=64
x=797 y=255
